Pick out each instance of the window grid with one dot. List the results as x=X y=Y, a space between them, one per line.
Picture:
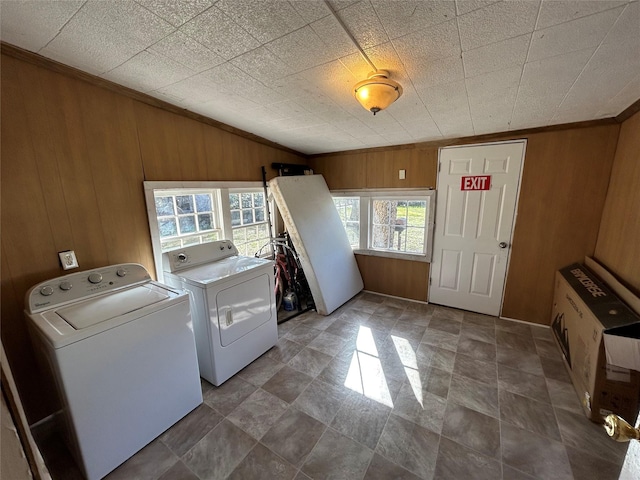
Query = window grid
x=248 y=221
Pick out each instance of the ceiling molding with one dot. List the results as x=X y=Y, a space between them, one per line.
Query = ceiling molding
x=40 y=61
x=629 y=112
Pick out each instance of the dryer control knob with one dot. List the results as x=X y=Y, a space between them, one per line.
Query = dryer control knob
x=221 y=247
x=46 y=291
x=229 y=246
x=95 y=278
x=66 y=286
x=121 y=272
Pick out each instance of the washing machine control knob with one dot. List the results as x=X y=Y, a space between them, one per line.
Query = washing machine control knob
x=182 y=257
x=229 y=246
x=66 y=286
x=221 y=247
x=95 y=278
x=46 y=291
x=121 y=272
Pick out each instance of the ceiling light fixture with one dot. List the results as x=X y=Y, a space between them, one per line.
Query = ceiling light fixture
x=378 y=91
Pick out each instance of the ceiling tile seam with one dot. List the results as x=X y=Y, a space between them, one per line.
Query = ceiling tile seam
x=634 y=79
x=599 y=12
x=526 y=58
x=63 y=26
x=464 y=76
x=183 y=23
x=557 y=109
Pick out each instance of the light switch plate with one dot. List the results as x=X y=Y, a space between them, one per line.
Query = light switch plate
x=402 y=174
x=68 y=259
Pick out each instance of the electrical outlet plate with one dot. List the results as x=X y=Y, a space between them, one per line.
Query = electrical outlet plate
x=68 y=259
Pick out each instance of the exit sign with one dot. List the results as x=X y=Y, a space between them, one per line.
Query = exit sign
x=476 y=182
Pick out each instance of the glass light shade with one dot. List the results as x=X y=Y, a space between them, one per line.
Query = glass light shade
x=377 y=92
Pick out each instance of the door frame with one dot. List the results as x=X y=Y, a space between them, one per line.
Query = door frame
x=524 y=142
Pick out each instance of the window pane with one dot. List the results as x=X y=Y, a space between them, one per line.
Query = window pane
x=258 y=199
x=205 y=221
x=167 y=227
x=399 y=225
x=260 y=215
x=187 y=224
x=184 y=204
x=234 y=201
x=382 y=237
x=203 y=202
x=235 y=218
x=247 y=217
x=246 y=200
x=417 y=213
x=164 y=206
x=349 y=212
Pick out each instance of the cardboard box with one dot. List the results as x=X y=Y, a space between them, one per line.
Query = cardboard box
x=584 y=309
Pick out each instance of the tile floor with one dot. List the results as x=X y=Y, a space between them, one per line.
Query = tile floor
x=385 y=389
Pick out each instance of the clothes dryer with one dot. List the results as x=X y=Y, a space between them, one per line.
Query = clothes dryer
x=233 y=305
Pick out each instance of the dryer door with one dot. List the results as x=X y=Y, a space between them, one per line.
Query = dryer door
x=243 y=307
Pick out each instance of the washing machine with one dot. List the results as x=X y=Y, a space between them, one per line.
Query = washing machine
x=233 y=305
x=122 y=351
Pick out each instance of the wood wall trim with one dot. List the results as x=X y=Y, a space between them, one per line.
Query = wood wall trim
x=630 y=111
x=40 y=61
x=489 y=137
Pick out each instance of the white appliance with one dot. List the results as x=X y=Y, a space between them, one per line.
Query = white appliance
x=233 y=305
x=122 y=351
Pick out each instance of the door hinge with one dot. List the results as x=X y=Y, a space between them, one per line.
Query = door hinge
x=429 y=280
x=439 y=166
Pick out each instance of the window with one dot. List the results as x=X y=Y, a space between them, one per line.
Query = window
x=188 y=213
x=349 y=211
x=186 y=219
x=394 y=223
x=248 y=220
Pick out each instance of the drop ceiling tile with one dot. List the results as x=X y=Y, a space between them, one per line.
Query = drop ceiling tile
x=148 y=71
x=176 y=13
x=547 y=81
x=220 y=33
x=231 y=77
x=262 y=65
x=193 y=90
x=491 y=99
x=288 y=109
x=301 y=49
x=129 y=18
x=554 y=12
x=403 y=17
x=265 y=20
x=466 y=6
x=311 y=10
x=438 y=41
x=449 y=107
x=625 y=98
x=364 y=25
x=31 y=25
x=608 y=72
x=572 y=36
x=334 y=37
x=183 y=49
x=627 y=26
x=497 y=22
x=437 y=72
x=497 y=56
x=91 y=46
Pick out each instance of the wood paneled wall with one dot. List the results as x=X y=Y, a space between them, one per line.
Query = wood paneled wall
x=379 y=168
x=563 y=189
x=74 y=156
x=618 y=246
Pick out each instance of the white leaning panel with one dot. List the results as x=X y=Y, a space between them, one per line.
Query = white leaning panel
x=318 y=236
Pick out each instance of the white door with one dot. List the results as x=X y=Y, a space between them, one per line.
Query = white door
x=476 y=200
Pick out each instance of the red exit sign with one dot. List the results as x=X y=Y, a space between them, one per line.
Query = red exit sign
x=476 y=182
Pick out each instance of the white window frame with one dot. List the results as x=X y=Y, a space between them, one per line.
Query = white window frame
x=222 y=205
x=367 y=195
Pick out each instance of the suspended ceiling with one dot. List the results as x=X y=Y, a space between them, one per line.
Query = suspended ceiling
x=284 y=70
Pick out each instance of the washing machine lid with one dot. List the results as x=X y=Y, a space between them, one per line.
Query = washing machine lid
x=91 y=312
x=222 y=269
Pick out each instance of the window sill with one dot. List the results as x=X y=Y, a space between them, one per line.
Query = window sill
x=402 y=256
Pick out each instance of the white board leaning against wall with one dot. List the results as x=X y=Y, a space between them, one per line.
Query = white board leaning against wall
x=318 y=236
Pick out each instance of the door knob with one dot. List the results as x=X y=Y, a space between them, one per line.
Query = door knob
x=502 y=244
